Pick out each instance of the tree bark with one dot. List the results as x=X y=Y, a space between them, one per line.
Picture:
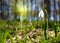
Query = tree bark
x=15 y=13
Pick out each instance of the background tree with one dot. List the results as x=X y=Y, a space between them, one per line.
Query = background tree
x=59 y=8
x=15 y=10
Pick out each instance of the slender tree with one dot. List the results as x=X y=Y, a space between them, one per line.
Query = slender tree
x=55 y=25
x=59 y=8
x=14 y=10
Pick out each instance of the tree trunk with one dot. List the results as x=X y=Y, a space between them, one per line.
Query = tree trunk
x=54 y=11
x=15 y=13
x=47 y=7
x=55 y=25
x=59 y=8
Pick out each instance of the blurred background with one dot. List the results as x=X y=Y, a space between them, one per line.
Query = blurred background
x=20 y=21
x=13 y=9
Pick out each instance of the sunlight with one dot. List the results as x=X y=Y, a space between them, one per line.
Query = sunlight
x=22 y=9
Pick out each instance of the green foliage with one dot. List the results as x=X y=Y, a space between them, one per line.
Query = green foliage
x=10 y=28
x=3 y=36
x=2 y=24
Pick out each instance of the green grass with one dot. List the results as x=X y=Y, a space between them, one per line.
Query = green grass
x=10 y=28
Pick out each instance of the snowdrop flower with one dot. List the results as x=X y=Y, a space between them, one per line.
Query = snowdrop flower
x=41 y=14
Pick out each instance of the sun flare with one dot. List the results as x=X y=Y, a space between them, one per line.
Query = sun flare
x=22 y=9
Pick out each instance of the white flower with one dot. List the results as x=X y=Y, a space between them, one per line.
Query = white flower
x=41 y=14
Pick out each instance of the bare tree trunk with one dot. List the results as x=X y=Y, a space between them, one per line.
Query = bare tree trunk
x=59 y=8
x=54 y=11
x=47 y=6
x=15 y=13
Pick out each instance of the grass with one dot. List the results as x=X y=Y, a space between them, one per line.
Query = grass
x=10 y=29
